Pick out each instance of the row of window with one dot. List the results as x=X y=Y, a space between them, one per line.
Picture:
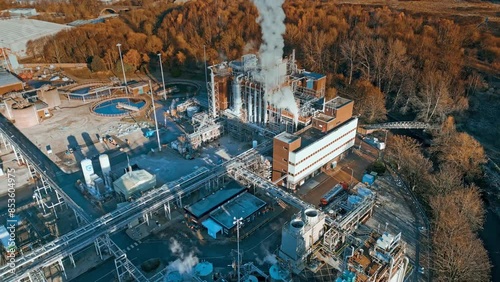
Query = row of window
x=322 y=148
x=319 y=160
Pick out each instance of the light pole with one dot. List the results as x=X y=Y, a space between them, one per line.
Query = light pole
x=123 y=68
x=352 y=173
x=156 y=120
x=162 y=78
x=238 y=223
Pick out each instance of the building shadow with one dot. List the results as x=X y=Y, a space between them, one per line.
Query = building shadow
x=92 y=152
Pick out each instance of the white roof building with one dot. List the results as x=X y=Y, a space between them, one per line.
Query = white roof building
x=134 y=182
x=15 y=33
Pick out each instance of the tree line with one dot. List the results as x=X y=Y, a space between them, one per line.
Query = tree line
x=444 y=177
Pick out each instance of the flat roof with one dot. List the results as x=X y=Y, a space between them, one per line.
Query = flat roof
x=323 y=117
x=17 y=32
x=337 y=102
x=313 y=75
x=7 y=78
x=311 y=134
x=242 y=206
x=286 y=137
x=211 y=202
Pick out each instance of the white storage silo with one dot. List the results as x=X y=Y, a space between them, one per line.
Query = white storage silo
x=254 y=144
x=204 y=271
x=87 y=170
x=105 y=165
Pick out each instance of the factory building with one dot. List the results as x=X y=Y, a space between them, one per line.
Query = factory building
x=236 y=90
x=9 y=82
x=134 y=182
x=200 y=210
x=245 y=206
x=301 y=155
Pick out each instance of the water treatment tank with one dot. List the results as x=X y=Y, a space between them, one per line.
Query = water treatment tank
x=87 y=170
x=311 y=216
x=105 y=165
x=278 y=274
x=173 y=276
x=204 y=270
x=296 y=226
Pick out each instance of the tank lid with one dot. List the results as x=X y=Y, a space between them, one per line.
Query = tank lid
x=203 y=268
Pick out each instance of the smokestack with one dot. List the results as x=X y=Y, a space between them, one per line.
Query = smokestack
x=272 y=22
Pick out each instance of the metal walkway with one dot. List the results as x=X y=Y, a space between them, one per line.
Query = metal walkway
x=398 y=125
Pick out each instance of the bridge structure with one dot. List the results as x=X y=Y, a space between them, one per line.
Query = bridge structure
x=369 y=128
x=30 y=265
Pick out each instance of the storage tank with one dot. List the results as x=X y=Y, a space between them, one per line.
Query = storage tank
x=254 y=144
x=296 y=226
x=251 y=278
x=173 y=276
x=105 y=165
x=278 y=274
x=204 y=270
x=25 y=115
x=311 y=216
x=87 y=170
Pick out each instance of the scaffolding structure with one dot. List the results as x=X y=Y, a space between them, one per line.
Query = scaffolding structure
x=237 y=88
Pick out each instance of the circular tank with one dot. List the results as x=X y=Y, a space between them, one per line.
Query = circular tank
x=204 y=271
x=87 y=170
x=251 y=278
x=105 y=165
x=173 y=276
x=296 y=225
x=311 y=216
x=278 y=274
x=24 y=116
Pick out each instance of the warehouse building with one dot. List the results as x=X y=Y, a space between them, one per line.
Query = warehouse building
x=245 y=206
x=200 y=210
x=17 y=32
x=303 y=154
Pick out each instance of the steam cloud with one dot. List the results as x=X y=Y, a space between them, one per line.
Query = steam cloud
x=272 y=22
x=185 y=263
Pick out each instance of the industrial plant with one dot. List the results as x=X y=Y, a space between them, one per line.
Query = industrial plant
x=245 y=183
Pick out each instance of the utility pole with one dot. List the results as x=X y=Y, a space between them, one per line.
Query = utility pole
x=238 y=223
x=154 y=112
x=162 y=78
x=123 y=68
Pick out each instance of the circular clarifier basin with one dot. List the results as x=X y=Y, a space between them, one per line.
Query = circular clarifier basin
x=116 y=107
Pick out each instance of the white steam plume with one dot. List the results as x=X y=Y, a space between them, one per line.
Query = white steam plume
x=272 y=22
x=185 y=263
